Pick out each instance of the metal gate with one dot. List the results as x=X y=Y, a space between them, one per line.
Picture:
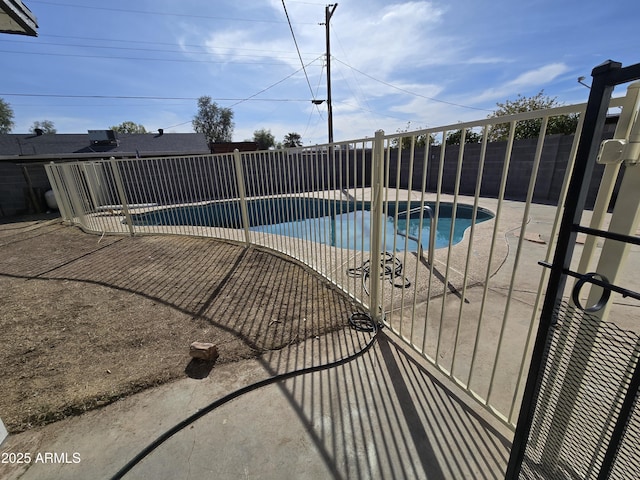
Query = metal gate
x=580 y=416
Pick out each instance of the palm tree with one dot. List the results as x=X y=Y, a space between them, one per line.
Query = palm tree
x=292 y=140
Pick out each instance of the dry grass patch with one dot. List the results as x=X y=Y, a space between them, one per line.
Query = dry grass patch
x=85 y=321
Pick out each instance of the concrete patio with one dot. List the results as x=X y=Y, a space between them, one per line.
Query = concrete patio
x=383 y=415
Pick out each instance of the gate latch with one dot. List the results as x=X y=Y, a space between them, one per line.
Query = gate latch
x=621 y=150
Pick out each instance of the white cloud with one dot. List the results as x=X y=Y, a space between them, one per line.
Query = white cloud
x=486 y=60
x=535 y=78
x=540 y=75
x=401 y=35
x=407 y=44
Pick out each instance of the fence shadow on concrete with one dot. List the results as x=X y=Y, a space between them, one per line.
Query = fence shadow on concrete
x=385 y=416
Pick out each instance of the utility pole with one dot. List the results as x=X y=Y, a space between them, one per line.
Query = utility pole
x=329 y=9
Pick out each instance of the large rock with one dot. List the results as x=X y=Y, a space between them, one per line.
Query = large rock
x=203 y=351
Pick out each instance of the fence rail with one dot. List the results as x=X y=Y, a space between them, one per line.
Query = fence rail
x=357 y=212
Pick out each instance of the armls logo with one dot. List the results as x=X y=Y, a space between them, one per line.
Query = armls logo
x=54 y=457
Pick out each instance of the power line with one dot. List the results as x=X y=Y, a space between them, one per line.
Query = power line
x=94 y=105
x=317 y=107
x=111 y=57
x=408 y=91
x=364 y=97
x=360 y=107
x=140 y=97
x=297 y=49
x=252 y=97
x=168 y=14
x=171 y=44
x=277 y=83
x=146 y=49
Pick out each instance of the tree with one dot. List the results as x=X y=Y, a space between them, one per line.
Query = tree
x=46 y=126
x=264 y=139
x=564 y=124
x=215 y=122
x=405 y=142
x=292 y=140
x=6 y=117
x=129 y=127
x=453 y=138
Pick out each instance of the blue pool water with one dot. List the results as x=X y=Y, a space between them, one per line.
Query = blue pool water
x=352 y=230
x=338 y=223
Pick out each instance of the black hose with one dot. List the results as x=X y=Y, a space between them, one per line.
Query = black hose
x=358 y=321
x=390 y=267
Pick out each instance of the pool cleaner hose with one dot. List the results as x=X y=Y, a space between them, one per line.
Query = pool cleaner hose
x=390 y=268
x=359 y=321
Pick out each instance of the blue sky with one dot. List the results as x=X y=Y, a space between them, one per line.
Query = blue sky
x=417 y=63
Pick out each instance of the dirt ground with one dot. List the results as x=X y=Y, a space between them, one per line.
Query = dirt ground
x=86 y=320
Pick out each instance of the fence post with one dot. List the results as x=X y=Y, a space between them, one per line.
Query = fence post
x=242 y=194
x=377 y=192
x=74 y=198
x=53 y=174
x=123 y=198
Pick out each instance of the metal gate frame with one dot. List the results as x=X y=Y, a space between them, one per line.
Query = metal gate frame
x=605 y=77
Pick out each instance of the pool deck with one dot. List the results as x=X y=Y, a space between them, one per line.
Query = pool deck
x=386 y=414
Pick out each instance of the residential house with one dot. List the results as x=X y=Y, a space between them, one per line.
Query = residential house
x=23 y=180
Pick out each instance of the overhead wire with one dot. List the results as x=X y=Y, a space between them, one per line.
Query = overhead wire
x=360 y=107
x=297 y=48
x=168 y=14
x=130 y=41
x=116 y=105
x=277 y=83
x=251 y=97
x=238 y=101
x=307 y=3
x=149 y=97
x=299 y=55
x=318 y=108
x=138 y=97
x=409 y=92
x=110 y=57
x=352 y=72
x=149 y=49
x=364 y=97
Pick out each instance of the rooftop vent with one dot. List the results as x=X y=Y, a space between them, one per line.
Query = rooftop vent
x=38 y=131
x=103 y=137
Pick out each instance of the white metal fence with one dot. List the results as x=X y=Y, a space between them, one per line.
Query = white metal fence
x=363 y=214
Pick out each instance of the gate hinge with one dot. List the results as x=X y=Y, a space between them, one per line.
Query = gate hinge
x=619 y=151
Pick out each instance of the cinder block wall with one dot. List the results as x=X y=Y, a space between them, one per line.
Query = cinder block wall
x=551 y=172
x=14 y=192
x=314 y=172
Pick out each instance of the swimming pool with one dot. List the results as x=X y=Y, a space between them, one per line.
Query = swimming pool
x=341 y=224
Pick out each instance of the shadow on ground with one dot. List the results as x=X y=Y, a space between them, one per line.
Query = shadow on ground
x=382 y=415
x=87 y=319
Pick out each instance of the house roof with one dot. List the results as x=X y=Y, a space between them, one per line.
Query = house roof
x=16 y=18
x=78 y=146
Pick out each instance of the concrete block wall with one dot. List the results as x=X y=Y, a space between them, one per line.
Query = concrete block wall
x=548 y=186
x=312 y=172
x=14 y=192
